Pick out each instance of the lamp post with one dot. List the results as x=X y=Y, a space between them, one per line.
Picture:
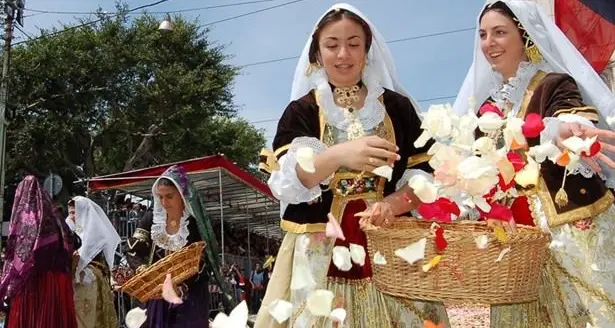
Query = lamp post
x=11 y=11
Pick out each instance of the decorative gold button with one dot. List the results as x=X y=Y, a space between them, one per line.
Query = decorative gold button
x=583 y=191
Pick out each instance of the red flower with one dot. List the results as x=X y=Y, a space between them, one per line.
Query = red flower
x=516 y=160
x=440 y=241
x=533 y=126
x=593 y=150
x=490 y=108
x=441 y=210
x=498 y=212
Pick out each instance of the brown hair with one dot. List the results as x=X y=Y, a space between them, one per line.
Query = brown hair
x=336 y=15
x=501 y=8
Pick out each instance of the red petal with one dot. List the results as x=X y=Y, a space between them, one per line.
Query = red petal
x=498 y=212
x=516 y=160
x=503 y=185
x=490 y=108
x=593 y=150
x=440 y=241
x=533 y=126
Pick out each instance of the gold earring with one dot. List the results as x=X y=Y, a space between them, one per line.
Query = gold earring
x=313 y=67
x=533 y=54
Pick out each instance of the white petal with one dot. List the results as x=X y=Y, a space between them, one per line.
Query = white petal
x=502 y=253
x=237 y=319
x=594 y=267
x=578 y=145
x=357 y=254
x=575 y=161
x=341 y=258
x=544 y=151
x=379 y=259
x=556 y=244
x=384 y=171
x=319 y=302
x=338 y=315
x=413 y=252
x=483 y=145
x=280 y=310
x=482 y=241
x=528 y=176
x=221 y=321
x=610 y=120
x=135 y=318
x=422 y=139
x=481 y=203
x=490 y=122
x=305 y=159
x=426 y=191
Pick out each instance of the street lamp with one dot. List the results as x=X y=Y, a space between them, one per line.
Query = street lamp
x=166 y=25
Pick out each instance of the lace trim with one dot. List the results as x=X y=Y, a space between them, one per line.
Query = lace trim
x=514 y=89
x=162 y=239
x=370 y=115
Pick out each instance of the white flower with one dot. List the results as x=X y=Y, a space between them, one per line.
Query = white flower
x=478 y=175
x=528 y=176
x=357 y=254
x=305 y=159
x=437 y=123
x=490 y=122
x=545 y=150
x=280 y=310
x=423 y=189
x=319 y=302
x=463 y=134
x=483 y=146
x=413 y=252
x=578 y=145
x=341 y=258
x=237 y=319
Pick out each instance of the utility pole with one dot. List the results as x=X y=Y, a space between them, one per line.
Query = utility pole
x=11 y=11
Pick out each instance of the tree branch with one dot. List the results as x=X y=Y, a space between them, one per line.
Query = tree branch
x=58 y=95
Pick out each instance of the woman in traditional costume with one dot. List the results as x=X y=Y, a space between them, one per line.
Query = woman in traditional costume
x=524 y=64
x=177 y=221
x=348 y=108
x=37 y=270
x=92 y=281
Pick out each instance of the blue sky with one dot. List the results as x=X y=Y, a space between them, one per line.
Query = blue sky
x=429 y=67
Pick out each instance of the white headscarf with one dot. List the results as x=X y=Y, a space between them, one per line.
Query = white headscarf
x=558 y=52
x=379 y=73
x=96 y=232
x=159 y=234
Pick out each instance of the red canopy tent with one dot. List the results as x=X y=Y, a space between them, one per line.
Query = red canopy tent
x=231 y=195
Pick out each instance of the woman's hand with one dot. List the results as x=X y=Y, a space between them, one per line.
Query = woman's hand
x=379 y=214
x=605 y=137
x=366 y=154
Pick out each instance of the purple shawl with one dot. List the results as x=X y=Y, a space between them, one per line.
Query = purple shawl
x=38 y=238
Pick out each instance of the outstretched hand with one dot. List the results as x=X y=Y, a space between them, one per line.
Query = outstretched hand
x=605 y=137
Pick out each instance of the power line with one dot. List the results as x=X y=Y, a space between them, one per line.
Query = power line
x=39 y=11
x=418 y=100
x=253 y=12
x=422 y=36
x=23 y=32
x=90 y=22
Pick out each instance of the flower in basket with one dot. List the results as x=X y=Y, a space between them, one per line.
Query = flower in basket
x=438 y=123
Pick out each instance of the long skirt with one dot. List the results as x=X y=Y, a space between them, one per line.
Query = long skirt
x=94 y=302
x=354 y=291
x=578 y=282
x=46 y=301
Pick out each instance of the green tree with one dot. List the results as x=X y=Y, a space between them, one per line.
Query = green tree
x=119 y=95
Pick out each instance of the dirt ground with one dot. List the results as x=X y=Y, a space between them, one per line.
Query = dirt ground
x=462 y=316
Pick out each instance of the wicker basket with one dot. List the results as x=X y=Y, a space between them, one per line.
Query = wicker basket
x=465 y=273
x=182 y=265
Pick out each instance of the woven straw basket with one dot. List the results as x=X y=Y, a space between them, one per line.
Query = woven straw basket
x=182 y=265
x=465 y=272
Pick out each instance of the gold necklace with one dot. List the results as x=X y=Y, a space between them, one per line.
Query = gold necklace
x=347 y=97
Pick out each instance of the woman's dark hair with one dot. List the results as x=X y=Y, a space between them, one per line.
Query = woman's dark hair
x=71 y=203
x=501 y=8
x=336 y=15
x=166 y=182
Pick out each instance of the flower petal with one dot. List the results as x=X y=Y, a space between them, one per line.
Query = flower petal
x=333 y=228
x=502 y=253
x=341 y=258
x=305 y=159
x=422 y=139
x=135 y=318
x=423 y=189
x=413 y=252
x=544 y=151
x=384 y=171
x=432 y=263
x=490 y=122
x=280 y=310
x=533 y=125
x=529 y=175
x=338 y=315
x=501 y=235
x=357 y=254
x=319 y=302
x=482 y=241
x=379 y=259
x=237 y=319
